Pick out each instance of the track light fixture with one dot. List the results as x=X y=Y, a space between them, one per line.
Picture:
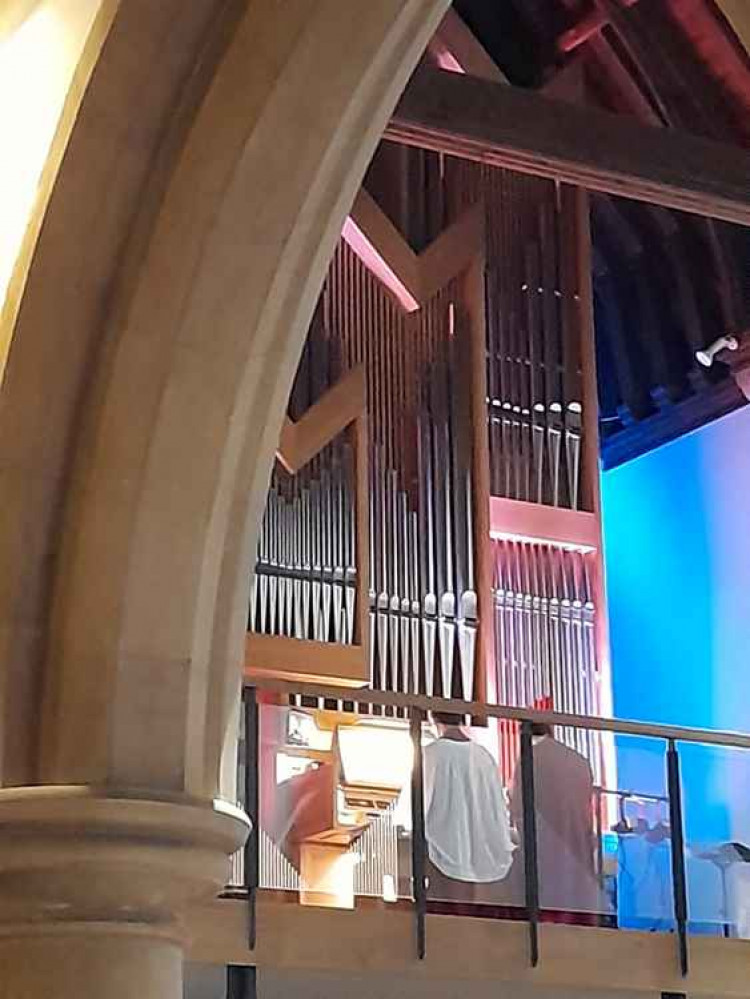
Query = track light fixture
x=707 y=356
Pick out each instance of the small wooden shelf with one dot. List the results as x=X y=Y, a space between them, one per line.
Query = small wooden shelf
x=293 y=659
x=516 y=520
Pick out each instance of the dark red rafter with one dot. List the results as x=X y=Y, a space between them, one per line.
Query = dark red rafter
x=588 y=26
x=715 y=45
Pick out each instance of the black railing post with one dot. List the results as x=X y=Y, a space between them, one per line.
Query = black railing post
x=598 y=833
x=677 y=839
x=531 y=860
x=251 y=851
x=418 y=837
x=241 y=982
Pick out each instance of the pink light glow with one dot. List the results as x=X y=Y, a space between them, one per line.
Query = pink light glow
x=377 y=265
x=447 y=61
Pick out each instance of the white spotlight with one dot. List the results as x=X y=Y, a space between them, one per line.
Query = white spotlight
x=707 y=356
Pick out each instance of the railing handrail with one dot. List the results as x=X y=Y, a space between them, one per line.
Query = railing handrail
x=475 y=709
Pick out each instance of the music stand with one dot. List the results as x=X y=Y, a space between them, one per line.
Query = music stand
x=723 y=857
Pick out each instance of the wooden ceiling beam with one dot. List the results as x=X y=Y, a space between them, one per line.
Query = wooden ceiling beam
x=520 y=130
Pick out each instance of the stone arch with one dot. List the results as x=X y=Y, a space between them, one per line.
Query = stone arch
x=178 y=263
x=13 y=13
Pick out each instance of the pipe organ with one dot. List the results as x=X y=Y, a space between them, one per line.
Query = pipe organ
x=421 y=596
x=452 y=534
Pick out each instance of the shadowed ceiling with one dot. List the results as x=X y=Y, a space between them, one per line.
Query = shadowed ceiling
x=666 y=283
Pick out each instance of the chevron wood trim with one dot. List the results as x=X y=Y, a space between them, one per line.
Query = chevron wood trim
x=333 y=412
x=383 y=250
x=452 y=253
x=411 y=278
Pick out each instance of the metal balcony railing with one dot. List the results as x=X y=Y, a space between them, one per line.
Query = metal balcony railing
x=671 y=818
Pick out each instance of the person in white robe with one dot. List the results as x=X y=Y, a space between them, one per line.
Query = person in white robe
x=469 y=840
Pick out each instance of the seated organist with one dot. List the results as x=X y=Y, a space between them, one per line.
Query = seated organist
x=469 y=840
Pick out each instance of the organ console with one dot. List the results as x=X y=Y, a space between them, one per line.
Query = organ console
x=333 y=775
x=442 y=535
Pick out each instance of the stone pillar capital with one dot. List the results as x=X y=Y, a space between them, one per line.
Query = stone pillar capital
x=76 y=855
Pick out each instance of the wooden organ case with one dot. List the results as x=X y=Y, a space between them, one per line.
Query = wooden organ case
x=437 y=529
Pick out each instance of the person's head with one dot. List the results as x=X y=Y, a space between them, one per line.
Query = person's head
x=445 y=720
x=541 y=729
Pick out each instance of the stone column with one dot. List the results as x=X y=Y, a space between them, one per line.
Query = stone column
x=92 y=888
x=206 y=176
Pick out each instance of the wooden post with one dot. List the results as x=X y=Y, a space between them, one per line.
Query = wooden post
x=362 y=477
x=474 y=296
x=591 y=464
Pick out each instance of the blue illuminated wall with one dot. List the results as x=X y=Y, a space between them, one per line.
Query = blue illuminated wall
x=677 y=550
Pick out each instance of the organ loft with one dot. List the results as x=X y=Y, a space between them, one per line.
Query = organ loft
x=433 y=526
x=433 y=519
